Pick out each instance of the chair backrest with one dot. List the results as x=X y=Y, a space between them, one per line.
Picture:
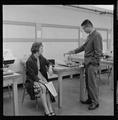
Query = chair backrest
x=24 y=73
x=23 y=63
x=99 y=69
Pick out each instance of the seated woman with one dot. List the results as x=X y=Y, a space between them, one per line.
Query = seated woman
x=36 y=77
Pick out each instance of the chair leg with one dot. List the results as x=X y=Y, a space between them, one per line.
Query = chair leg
x=99 y=79
x=9 y=91
x=23 y=95
x=37 y=105
x=99 y=76
x=109 y=72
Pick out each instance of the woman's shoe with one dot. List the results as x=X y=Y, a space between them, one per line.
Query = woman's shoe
x=52 y=114
x=45 y=114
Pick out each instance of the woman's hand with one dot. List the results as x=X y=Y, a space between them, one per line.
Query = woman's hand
x=43 y=81
x=50 y=71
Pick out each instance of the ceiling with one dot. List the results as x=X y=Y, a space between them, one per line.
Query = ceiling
x=107 y=7
x=97 y=8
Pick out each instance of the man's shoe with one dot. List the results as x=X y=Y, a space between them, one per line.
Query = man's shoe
x=86 y=102
x=93 y=106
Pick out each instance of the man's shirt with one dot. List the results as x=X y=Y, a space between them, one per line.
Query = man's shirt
x=92 y=47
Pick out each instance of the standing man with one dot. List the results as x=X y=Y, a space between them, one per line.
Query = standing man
x=93 y=52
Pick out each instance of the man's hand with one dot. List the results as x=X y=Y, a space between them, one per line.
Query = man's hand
x=71 y=52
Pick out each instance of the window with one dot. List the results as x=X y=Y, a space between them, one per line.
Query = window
x=58 y=33
x=18 y=32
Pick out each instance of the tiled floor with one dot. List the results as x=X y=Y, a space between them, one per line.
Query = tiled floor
x=71 y=104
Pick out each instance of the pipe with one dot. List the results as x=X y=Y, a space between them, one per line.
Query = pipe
x=100 y=12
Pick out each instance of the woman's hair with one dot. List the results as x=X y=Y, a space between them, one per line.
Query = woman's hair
x=35 y=47
x=86 y=23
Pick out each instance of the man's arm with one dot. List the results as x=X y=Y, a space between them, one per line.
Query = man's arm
x=77 y=50
x=98 y=46
x=80 y=49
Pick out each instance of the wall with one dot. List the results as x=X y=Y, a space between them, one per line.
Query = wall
x=52 y=15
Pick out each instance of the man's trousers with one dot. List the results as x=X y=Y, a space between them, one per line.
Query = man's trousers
x=91 y=79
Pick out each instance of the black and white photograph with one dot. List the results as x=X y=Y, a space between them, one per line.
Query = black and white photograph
x=58 y=60
x=117 y=59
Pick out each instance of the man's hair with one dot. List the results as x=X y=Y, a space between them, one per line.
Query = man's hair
x=86 y=23
x=35 y=47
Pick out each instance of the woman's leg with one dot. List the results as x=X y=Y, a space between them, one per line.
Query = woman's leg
x=49 y=103
x=43 y=98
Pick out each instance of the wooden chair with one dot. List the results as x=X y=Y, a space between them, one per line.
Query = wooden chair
x=24 y=88
x=108 y=73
